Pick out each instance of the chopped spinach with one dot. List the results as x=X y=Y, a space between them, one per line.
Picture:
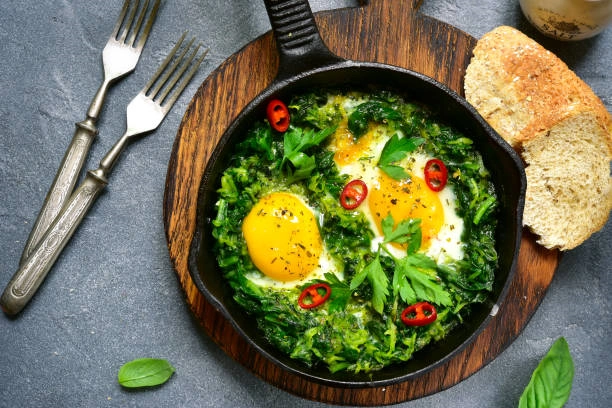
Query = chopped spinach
x=365 y=113
x=358 y=329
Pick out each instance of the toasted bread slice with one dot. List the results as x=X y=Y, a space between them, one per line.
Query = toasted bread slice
x=559 y=126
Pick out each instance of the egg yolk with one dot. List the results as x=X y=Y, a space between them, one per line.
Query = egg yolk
x=347 y=149
x=407 y=199
x=282 y=237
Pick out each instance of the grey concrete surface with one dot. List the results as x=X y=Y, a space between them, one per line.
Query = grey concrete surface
x=113 y=296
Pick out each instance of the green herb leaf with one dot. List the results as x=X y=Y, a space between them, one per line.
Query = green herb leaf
x=551 y=382
x=407 y=232
x=296 y=142
x=414 y=276
x=395 y=150
x=379 y=281
x=145 y=372
x=418 y=272
x=340 y=293
x=395 y=172
x=359 y=278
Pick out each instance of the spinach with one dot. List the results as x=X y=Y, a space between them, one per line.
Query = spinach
x=358 y=328
x=296 y=142
x=413 y=276
x=374 y=110
x=313 y=109
x=145 y=372
x=551 y=382
x=260 y=140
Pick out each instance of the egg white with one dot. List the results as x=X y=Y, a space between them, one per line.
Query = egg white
x=444 y=247
x=326 y=264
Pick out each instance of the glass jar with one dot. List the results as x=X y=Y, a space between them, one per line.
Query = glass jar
x=568 y=19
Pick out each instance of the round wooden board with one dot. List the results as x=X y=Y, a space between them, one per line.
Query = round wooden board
x=387 y=31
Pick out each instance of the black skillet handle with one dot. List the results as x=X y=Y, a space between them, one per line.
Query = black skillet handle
x=298 y=40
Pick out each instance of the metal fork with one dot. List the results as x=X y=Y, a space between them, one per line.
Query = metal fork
x=119 y=57
x=144 y=114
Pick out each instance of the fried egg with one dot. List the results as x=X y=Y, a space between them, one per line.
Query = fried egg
x=284 y=242
x=410 y=198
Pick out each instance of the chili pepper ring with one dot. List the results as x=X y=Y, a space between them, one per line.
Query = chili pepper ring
x=353 y=194
x=312 y=295
x=278 y=115
x=419 y=314
x=436 y=174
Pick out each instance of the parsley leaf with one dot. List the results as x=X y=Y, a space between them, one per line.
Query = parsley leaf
x=340 y=293
x=415 y=279
x=395 y=150
x=379 y=281
x=296 y=142
x=414 y=276
x=407 y=232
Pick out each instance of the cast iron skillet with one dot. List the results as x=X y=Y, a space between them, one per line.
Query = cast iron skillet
x=306 y=63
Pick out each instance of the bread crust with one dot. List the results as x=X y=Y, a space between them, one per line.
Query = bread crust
x=528 y=83
x=547 y=113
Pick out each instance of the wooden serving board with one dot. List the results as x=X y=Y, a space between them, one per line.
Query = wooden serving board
x=386 y=31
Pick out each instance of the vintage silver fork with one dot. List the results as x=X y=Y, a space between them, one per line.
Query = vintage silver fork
x=119 y=57
x=144 y=114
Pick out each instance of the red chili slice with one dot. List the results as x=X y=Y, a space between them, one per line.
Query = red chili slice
x=311 y=297
x=278 y=115
x=419 y=314
x=353 y=194
x=436 y=174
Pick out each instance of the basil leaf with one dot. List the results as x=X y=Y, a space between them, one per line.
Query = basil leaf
x=145 y=372
x=551 y=382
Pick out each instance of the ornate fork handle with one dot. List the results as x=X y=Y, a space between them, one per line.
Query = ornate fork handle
x=119 y=57
x=144 y=114
x=66 y=176
x=32 y=273
x=68 y=172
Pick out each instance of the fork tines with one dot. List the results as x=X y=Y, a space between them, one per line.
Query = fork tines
x=126 y=21
x=161 y=87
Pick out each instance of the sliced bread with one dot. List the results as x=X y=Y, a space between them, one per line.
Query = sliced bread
x=559 y=126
